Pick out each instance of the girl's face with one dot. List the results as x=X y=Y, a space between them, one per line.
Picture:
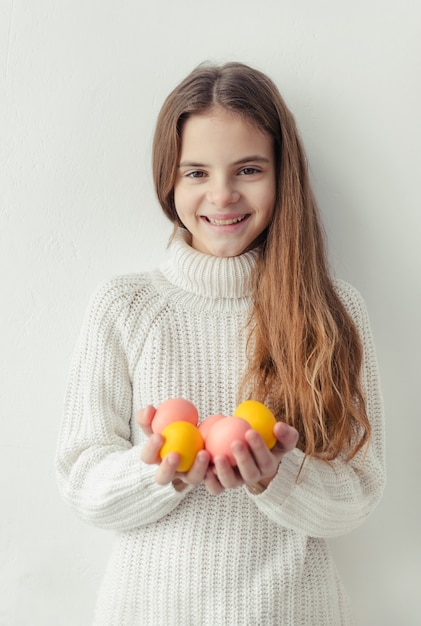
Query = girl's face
x=225 y=189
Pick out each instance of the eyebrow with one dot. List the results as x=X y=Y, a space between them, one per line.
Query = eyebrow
x=254 y=158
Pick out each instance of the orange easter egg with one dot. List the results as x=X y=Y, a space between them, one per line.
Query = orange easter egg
x=207 y=424
x=223 y=433
x=174 y=410
x=183 y=438
x=260 y=418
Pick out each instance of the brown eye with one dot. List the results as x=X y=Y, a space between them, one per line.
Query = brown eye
x=248 y=171
x=196 y=174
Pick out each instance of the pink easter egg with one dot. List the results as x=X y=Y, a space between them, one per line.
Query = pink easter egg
x=174 y=410
x=207 y=424
x=223 y=433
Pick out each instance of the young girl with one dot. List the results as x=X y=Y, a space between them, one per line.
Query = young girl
x=244 y=307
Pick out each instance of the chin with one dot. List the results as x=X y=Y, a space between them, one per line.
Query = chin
x=222 y=248
x=226 y=252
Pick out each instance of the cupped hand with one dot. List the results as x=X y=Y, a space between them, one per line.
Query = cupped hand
x=255 y=463
x=167 y=467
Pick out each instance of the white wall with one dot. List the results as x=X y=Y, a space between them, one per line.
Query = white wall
x=81 y=85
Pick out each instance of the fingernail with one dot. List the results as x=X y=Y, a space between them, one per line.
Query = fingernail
x=173 y=459
x=254 y=436
x=237 y=446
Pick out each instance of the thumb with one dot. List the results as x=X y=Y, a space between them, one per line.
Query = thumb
x=144 y=419
x=286 y=435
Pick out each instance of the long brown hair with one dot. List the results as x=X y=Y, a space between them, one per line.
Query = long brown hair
x=305 y=354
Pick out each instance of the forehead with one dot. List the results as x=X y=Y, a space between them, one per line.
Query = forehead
x=219 y=129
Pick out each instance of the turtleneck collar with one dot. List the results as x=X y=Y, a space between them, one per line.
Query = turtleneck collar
x=205 y=275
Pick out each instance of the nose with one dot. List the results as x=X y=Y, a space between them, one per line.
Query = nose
x=222 y=194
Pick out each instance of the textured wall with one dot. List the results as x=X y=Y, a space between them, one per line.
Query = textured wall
x=81 y=85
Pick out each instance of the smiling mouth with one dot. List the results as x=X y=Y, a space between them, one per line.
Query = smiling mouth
x=226 y=222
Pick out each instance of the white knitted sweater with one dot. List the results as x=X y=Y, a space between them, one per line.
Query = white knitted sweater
x=189 y=558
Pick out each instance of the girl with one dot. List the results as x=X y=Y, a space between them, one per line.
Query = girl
x=244 y=307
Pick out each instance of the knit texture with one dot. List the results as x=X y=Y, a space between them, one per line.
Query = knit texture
x=189 y=558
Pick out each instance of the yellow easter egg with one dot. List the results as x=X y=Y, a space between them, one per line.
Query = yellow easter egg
x=183 y=438
x=260 y=418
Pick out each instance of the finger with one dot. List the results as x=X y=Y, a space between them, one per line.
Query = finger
x=265 y=462
x=212 y=483
x=198 y=470
x=286 y=435
x=150 y=451
x=246 y=464
x=226 y=473
x=167 y=470
x=144 y=418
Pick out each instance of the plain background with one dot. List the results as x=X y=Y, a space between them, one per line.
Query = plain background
x=81 y=85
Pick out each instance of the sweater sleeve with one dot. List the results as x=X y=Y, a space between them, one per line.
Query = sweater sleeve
x=99 y=471
x=328 y=500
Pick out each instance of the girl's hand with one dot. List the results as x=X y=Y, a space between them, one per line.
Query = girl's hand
x=167 y=468
x=256 y=464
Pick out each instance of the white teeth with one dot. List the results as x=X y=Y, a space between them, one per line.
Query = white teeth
x=226 y=222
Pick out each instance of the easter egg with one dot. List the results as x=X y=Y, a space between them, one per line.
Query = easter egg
x=207 y=424
x=223 y=433
x=174 y=410
x=183 y=438
x=260 y=418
